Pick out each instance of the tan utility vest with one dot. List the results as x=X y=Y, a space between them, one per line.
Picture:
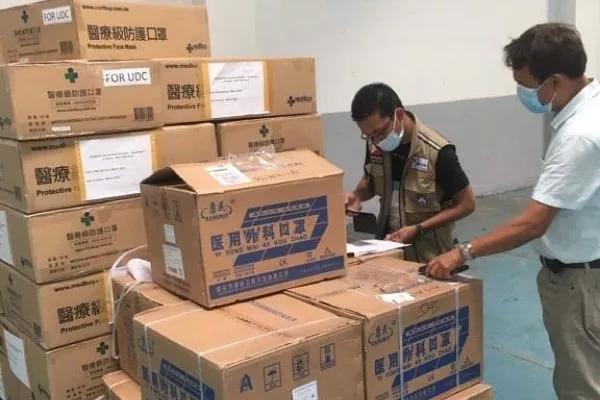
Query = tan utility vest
x=420 y=196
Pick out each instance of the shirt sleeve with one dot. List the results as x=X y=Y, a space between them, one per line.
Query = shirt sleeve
x=570 y=175
x=450 y=175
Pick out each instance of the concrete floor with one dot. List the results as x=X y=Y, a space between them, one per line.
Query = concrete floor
x=518 y=361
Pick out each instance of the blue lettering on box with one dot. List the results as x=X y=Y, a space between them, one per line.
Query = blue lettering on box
x=175 y=381
x=275 y=231
x=220 y=290
x=426 y=347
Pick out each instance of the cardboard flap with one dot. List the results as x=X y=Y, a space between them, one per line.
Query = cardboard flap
x=239 y=173
x=192 y=175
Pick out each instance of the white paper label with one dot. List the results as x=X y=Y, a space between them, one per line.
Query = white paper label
x=127 y=77
x=5 y=251
x=307 y=391
x=237 y=89
x=227 y=175
x=170 y=234
x=116 y=166
x=58 y=15
x=173 y=261
x=61 y=129
x=396 y=298
x=15 y=350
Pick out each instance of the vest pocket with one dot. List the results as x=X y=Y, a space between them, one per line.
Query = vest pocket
x=376 y=173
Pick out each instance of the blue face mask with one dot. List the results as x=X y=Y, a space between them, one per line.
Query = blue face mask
x=529 y=98
x=392 y=140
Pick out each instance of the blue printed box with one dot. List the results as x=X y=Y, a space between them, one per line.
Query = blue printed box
x=422 y=339
x=271 y=348
x=226 y=231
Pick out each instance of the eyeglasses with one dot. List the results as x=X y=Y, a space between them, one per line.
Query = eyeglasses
x=383 y=132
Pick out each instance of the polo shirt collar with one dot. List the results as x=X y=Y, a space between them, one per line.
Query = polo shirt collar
x=591 y=90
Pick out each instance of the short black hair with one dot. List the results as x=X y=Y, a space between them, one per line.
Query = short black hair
x=547 y=49
x=374 y=97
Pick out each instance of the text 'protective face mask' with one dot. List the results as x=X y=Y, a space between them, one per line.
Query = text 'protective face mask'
x=393 y=138
x=530 y=100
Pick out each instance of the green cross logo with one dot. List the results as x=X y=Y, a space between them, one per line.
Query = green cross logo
x=24 y=16
x=264 y=131
x=291 y=101
x=102 y=348
x=71 y=75
x=87 y=219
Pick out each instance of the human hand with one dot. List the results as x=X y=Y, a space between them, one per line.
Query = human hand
x=442 y=266
x=352 y=203
x=403 y=235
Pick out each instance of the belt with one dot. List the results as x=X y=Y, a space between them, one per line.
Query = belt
x=556 y=265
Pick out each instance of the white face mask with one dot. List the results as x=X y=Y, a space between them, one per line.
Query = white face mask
x=393 y=139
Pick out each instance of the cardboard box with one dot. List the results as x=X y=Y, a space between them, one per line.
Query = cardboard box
x=477 y=392
x=78 y=98
x=121 y=386
x=107 y=30
x=11 y=388
x=423 y=339
x=64 y=244
x=263 y=349
x=57 y=314
x=2 y=60
x=52 y=174
x=71 y=372
x=223 y=232
x=354 y=260
x=206 y=89
x=283 y=133
x=131 y=300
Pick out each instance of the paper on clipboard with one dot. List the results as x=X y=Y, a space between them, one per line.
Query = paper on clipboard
x=372 y=246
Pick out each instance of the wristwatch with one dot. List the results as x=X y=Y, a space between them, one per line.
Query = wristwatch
x=420 y=230
x=465 y=249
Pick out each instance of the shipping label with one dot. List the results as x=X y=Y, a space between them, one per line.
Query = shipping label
x=57 y=15
x=115 y=167
x=237 y=89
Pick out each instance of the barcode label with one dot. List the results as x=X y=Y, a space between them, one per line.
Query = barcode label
x=143 y=113
x=66 y=47
x=227 y=175
x=173 y=261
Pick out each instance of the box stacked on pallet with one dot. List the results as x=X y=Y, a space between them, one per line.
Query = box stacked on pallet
x=81 y=124
x=422 y=338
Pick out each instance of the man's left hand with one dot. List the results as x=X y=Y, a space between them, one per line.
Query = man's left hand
x=442 y=266
x=403 y=235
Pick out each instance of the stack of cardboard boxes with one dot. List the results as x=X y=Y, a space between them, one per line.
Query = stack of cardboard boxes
x=251 y=294
x=237 y=94
x=77 y=135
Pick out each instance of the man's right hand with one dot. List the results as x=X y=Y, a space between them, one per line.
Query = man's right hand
x=352 y=203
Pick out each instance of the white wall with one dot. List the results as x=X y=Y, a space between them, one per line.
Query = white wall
x=429 y=50
x=587 y=17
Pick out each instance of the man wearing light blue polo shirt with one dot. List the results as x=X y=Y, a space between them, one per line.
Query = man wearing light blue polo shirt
x=548 y=63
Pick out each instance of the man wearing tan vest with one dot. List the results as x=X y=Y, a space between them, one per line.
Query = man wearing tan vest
x=414 y=171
